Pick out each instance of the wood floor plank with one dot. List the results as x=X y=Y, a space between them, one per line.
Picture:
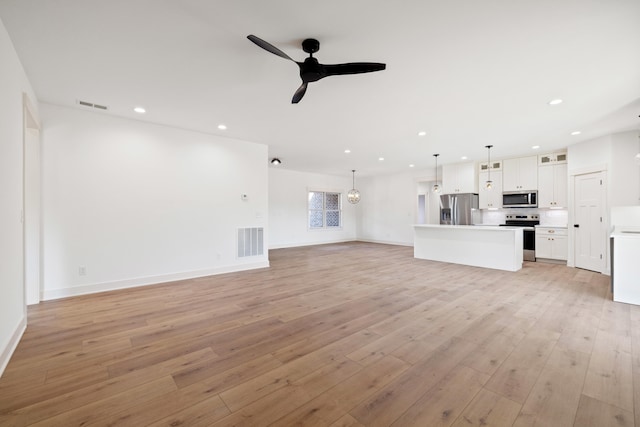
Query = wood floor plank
x=312 y=341
x=595 y=413
x=443 y=403
x=609 y=377
x=555 y=397
x=202 y=414
x=346 y=421
x=518 y=373
x=488 y=409
x=385 y=406
x=337 y=401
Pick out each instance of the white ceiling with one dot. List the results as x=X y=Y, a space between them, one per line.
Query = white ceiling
x=468 y=72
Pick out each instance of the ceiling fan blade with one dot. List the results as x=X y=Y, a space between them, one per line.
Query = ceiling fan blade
x=268 y=47
x=353 y=68
x=299 y=93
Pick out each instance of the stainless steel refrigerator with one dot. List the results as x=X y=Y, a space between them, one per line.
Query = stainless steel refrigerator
x=458 y=209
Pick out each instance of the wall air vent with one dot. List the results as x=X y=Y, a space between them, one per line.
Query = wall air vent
x=92 y=105
x=250 y=242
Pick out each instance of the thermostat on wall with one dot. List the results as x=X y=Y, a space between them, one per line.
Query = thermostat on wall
x=244 y=197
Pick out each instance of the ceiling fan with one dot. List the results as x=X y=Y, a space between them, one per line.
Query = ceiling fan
x=311 y=70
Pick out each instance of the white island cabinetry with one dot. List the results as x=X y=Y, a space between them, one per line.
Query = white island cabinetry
x=480 y=246
x=625 y=272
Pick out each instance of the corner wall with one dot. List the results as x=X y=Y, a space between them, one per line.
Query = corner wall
x=288 y=208
x=387 y=210
x=13 y=83
x=128 y=203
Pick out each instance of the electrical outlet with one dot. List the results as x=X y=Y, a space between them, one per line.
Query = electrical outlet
x=82 y=271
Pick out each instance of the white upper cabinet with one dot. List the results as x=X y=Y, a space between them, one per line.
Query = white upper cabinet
x=520 y=174
x=459 y=178
x=495 y=165
x=553 y=158
x=490 y=198
x=552 y=186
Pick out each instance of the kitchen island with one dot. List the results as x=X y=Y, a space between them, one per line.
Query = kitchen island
x=625 y=250
x=480 y=246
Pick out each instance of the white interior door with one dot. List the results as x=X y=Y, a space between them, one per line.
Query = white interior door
x=590 y=239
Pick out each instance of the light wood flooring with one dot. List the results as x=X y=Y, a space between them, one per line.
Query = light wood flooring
x=352 y=334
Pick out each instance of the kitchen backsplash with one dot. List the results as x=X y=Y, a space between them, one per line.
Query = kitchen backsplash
x=548 y=217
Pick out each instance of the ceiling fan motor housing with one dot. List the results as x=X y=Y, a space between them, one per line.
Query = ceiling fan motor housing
x=311 y=70
x=310 y=45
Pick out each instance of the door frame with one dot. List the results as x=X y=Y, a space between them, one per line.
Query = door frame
x=571 y=261
x=31 y=124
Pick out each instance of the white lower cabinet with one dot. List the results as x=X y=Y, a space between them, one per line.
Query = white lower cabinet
x=551 y=243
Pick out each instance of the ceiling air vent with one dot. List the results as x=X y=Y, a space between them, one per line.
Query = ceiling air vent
x=92 y=105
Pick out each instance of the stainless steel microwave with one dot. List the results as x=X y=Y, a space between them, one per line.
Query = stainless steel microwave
x=520 y=199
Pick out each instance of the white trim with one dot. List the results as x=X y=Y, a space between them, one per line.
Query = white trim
x=146 y=281
x=386 y=242
x=587 y=169
x=298 y=245
x=11 y=346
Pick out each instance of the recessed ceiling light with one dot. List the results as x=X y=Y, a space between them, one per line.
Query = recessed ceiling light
x=464 y=158
x=411 y=165
x=535 y=147
x=422 y=133
x=347 y=151
x=276 y=161
x=139 y=110
x=576 y=132
x=222 y=127
x=555 y=101
x=381 y=158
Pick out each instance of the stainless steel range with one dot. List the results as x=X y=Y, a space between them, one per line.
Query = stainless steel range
x=527 y=223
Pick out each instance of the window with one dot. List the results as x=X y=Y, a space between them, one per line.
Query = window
x=324 y=210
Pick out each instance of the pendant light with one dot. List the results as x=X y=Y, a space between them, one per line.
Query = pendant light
x=353 y=196
x=489 y=184
x=436 y=187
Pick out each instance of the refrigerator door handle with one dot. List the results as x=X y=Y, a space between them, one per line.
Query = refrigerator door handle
x=454 y=211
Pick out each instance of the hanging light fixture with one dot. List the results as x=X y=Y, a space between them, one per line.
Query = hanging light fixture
x=436 y=187
x=489 y=184
x=353 y=196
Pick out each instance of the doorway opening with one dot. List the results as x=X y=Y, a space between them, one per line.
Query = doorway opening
x=428 y=204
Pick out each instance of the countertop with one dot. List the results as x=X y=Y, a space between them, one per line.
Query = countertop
x=626 y=231
x=551 y=226
x=466 y=227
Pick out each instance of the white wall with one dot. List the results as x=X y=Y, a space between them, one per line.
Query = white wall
x=625 y=175
x=134 y=203
x=387 y=211
x=614 y=154
x=13 y=83
x=288 y=204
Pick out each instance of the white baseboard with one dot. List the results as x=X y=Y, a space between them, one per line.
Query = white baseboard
x=52 y=294
x=386 y=242
x=7 y=352
x=299 y=245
